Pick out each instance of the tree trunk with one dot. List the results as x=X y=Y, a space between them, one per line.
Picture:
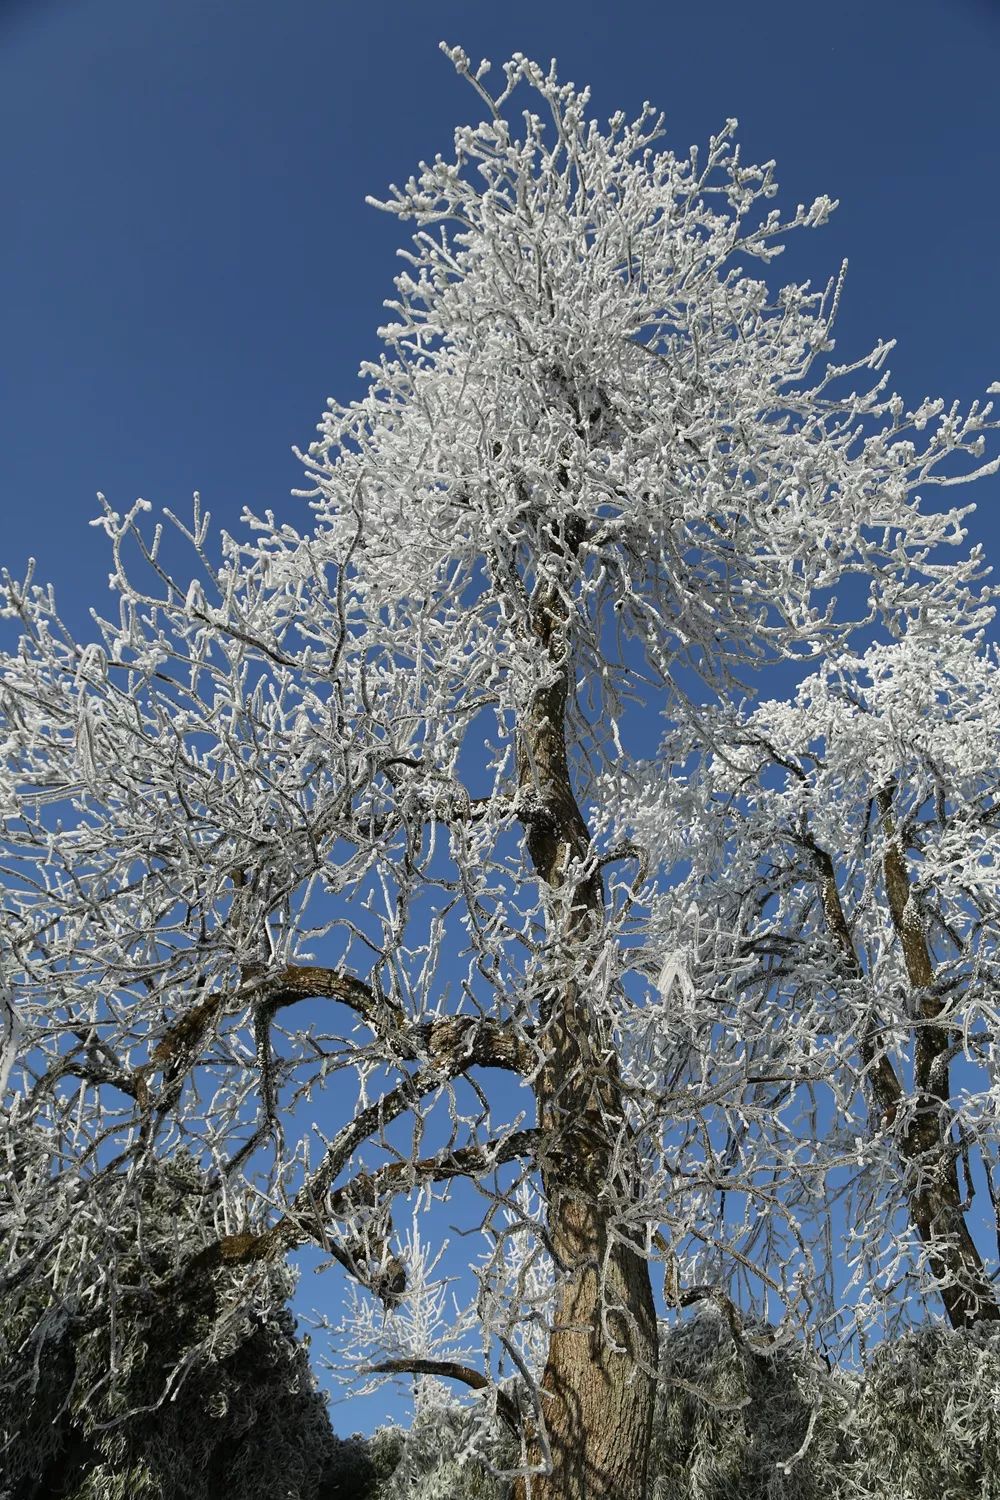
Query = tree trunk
x=966 y=1290
x=934 y=1192
x=597 y=1400
x=599 y=1383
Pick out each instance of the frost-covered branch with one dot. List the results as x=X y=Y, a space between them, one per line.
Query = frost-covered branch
x=301 y=854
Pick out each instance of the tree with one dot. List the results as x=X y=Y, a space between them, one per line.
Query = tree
x=595 y=465
x=927 y=1421
x=745 y=1411
x=741 y=1411
x=838 y=870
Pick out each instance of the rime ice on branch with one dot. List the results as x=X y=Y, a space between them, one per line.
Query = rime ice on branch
x=837 y=852
x=299 y=858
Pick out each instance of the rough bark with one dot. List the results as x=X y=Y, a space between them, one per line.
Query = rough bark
x=598 y=1398
x=598 y=1386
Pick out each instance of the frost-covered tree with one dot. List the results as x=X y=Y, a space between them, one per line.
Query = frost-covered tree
x=305 y=865
x=447 y=1453
x=835 y=855
x=926 y=1418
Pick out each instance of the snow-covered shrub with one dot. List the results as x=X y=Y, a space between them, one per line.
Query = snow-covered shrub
x=447 y=1454
x=741 y=1416
x=736 y=1407
x=98 y=1413
x=927 y=1421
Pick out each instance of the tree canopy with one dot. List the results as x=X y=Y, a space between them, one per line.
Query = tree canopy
x=304 y=857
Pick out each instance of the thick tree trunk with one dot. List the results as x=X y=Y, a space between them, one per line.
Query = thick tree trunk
x=597 y=1399
x=599 y=1382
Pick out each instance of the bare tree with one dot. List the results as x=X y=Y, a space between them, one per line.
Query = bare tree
x=300 y=860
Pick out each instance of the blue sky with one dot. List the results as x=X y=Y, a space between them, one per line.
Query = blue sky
x=189 y=268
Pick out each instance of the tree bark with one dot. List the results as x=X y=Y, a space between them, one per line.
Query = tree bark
x=598 y=1399
x=938 y=1211
x=599 y=1382
x=933 y=1193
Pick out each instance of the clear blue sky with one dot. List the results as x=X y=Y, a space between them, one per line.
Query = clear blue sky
x=189 y=268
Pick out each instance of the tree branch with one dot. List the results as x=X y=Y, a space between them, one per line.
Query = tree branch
x=448 y=1369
